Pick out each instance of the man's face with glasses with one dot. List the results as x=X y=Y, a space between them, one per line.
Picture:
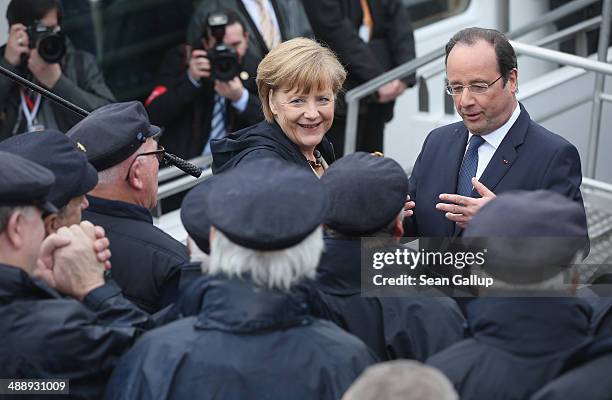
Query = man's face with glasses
x=149 y=157
x=477 y=87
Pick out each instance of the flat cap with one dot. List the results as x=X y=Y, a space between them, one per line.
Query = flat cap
x=52 y=149
x=264 y=204
x=24 y=182
x=366 y=193
x=112 y=133
x=529 y=235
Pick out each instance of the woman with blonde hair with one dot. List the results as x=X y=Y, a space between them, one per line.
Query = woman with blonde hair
x=297 y=82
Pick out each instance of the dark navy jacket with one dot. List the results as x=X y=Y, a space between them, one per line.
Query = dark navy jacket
x=262 y=140
x=146 y=261
x=529 y=158
x=591 y=380
x=518 y=345
x=415 y=326
x=47 y=336
x=244 y=342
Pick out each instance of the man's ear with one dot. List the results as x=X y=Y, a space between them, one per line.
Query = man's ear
x=51 y=224
x=14 y=230
x=513 y=80
x=136 y=175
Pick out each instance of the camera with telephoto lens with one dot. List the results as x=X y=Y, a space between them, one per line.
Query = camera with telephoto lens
x=224 y=63
x=49 y=41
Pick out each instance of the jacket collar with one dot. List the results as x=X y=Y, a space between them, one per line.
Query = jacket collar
x=229 y=151
x=118 y=209
x=237 y=305
x=530 y=326
x=506 y=153
x=16 y=284
x=339 y=271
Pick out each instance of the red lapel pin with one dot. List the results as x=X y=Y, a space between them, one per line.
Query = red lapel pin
x=505 y=161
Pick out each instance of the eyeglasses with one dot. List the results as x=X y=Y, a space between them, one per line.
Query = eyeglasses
x=478 y=88
x=159 y=153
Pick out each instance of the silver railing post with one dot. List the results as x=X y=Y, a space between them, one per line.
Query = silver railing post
x=602 y=56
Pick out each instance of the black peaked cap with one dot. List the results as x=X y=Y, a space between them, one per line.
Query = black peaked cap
x=529 y=235
x=366 y=193
x=24 y=182
x=112 y=133
x=52 y=149
x=264 y=205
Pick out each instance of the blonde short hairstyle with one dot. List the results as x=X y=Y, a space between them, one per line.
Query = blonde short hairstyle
x=298 y=64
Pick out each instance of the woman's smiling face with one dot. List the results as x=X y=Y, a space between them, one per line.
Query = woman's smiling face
x=304 y=117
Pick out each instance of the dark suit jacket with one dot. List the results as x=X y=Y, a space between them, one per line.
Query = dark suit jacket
x=337 y=22
x=529 y=158
x=185 y=111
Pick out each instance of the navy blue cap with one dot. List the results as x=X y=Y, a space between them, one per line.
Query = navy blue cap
x=264 y=204
x=194 y=213
x=112 y=133
x=366 y=193
x=23 y=183
x=529 y=235
x=52 y=149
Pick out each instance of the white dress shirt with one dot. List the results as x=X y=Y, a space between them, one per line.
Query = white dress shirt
x=253 y=10
x=492 y=141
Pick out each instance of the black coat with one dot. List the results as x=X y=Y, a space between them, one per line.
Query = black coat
x=337 y=22
x=518 y=345
x=591 y=380
x=146 y=262
x=185 y=111
x=262 y=140
x=238 y=341
x=47 y=336
x=413 y=326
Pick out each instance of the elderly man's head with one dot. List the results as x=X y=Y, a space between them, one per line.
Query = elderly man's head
x=298 y=82
x=24 y=187
x=265 y=217
x=531 y=239
x=120 y=145
x=74 y=176
x=401 y=380
x=355 y=183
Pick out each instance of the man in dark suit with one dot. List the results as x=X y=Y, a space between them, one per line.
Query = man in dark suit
x=496 y=148
x=370 y=37
x=268 y=22
x=192 y=106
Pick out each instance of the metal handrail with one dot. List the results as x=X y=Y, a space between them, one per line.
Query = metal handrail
x=561 y=58
x=354 y=95
x=602 y=55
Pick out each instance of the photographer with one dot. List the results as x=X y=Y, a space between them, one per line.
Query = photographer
x=206 y=90
x=37 y=49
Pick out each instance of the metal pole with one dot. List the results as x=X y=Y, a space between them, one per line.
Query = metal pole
x=32 y=86
x=602 y=55
x=549 y=17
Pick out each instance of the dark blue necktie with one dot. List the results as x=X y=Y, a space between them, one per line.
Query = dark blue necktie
x=469 y=166
x=217 y=125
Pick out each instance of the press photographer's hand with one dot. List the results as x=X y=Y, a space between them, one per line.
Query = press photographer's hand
x=199 y=65
x=17 y=44
x=231 y=90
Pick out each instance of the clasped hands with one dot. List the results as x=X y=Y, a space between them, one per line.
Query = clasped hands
x=73 y=259
x=459 y=209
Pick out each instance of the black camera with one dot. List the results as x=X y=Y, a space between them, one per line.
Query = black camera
x=49 y=41
x=224 y=63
